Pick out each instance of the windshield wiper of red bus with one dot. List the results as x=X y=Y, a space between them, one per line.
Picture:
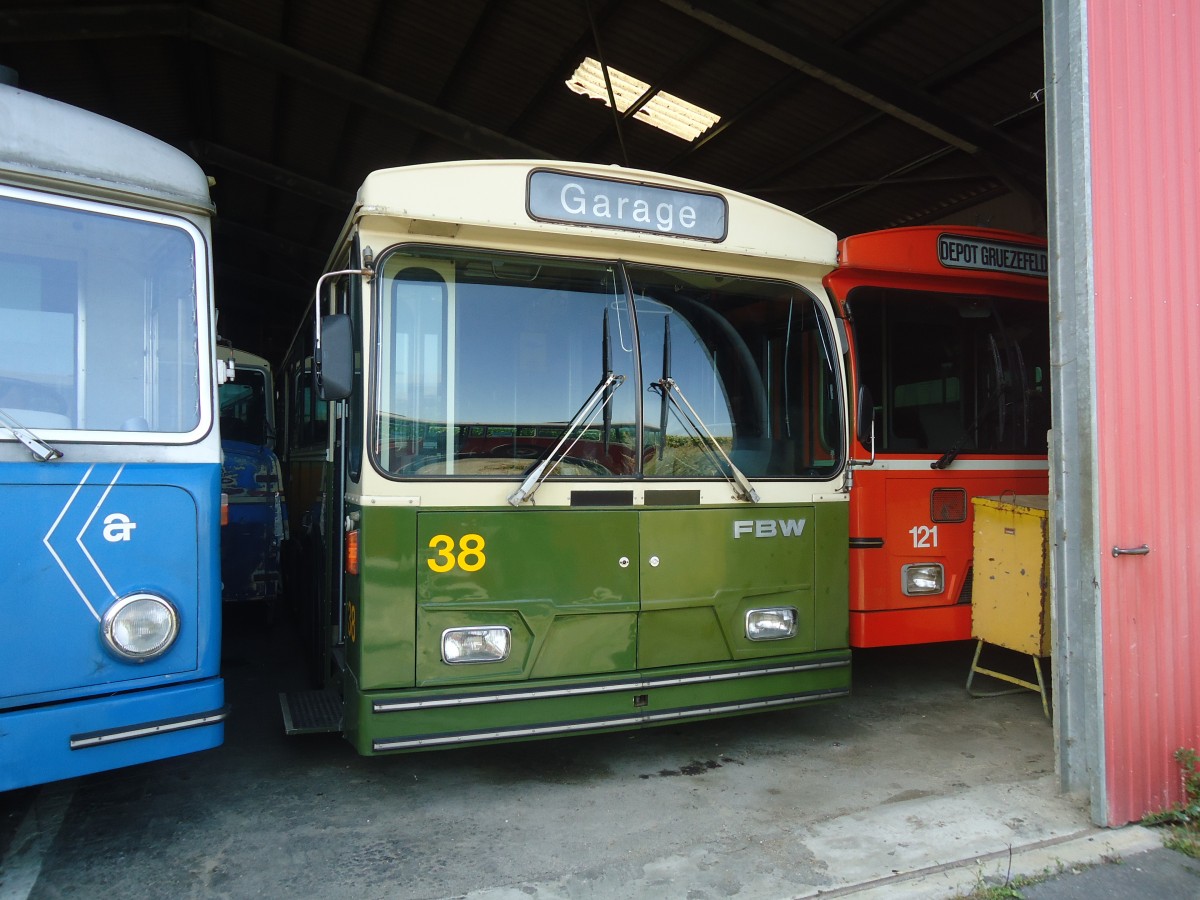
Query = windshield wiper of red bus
x=41 y=451
x=996 y=401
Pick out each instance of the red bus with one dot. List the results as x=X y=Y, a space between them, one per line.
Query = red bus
x=950 y=367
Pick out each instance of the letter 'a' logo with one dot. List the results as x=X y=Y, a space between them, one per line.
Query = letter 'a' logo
x=118 y=527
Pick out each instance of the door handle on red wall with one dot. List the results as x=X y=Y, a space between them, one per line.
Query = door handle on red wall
x=1131 y=551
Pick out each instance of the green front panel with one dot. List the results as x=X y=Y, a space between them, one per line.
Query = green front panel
x=380 y=645
x=597 y=644
x=564 y=581
x=831 y=567
x=704 y=569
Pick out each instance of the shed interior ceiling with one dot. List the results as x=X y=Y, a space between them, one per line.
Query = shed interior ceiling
x=860 y=114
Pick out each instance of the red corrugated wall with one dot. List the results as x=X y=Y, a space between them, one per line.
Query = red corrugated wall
x=1144 y=68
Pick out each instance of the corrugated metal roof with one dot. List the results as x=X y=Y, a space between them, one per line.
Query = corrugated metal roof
x=855 y=112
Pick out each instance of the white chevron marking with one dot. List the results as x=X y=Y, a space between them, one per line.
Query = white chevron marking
x=79 y=537
x=57 y=558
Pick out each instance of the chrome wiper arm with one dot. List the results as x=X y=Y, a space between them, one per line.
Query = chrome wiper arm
x=599 y=397
x=742 y=488
x=41 y=451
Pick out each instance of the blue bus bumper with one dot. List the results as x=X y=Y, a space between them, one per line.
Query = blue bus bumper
x=65 y=740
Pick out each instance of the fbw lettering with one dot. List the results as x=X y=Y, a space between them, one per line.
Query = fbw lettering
x=768 y=528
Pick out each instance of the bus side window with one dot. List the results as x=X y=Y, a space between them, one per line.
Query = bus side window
x=413 y=337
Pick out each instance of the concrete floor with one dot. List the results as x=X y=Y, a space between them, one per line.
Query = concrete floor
x=886 y=788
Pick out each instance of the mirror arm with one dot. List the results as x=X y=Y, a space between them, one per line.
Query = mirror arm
x=367 y=272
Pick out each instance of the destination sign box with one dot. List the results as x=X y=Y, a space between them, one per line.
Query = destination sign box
x=958 y=252
x=579 y=200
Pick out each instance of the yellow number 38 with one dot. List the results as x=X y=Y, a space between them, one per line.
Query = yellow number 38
x=470 y=556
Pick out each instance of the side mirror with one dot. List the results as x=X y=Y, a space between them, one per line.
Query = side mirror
x=333 y=364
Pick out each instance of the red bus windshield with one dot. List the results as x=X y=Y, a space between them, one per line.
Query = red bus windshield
x=949 y=371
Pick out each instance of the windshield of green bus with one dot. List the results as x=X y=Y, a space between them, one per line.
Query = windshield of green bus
x=98 y=319
x=482 y=360
x=950 y=372
x=243 y=406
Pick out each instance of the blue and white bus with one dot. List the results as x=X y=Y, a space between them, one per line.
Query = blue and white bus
x=110 y=465
x=251 y=482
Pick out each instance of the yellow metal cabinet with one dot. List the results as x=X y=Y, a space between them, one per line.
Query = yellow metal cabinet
x=1011 y=601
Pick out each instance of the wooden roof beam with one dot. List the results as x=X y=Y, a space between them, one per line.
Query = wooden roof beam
x=778 y=38
x=177 y=20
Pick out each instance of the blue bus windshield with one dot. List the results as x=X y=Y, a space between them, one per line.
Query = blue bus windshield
x=98 y=328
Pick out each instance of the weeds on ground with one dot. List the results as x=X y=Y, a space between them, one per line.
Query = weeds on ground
x=1183 y=819
x=1010 y=888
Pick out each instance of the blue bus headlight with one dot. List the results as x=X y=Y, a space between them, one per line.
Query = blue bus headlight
x=474 y=645
x=772 y=624
x=140 y=627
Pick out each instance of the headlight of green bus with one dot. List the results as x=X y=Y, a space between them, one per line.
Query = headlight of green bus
x=489 y=643
x=772 y=624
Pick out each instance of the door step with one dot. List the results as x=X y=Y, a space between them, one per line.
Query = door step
x=311 y=712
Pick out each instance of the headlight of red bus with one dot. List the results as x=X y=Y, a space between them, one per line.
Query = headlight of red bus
x=917 y=579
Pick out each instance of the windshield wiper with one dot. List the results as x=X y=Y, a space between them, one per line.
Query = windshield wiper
x=1020 y=364
x=666 y=376
x=606 y=368
x=994 y=401
x=41 y=451
x=601 y=396
x=742 y=488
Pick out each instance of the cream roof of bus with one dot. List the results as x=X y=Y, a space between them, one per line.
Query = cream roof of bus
x=46 y=143
x=491 y=194
x=242 y=358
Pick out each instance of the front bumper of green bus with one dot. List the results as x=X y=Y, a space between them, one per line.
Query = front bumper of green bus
x=423 y=719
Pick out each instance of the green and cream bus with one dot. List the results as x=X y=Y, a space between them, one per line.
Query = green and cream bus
x=565 y=447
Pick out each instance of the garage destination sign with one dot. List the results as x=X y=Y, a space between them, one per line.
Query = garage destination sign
x=632 y=206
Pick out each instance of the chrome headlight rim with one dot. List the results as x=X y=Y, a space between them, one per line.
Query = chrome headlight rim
x=784 y=613
x=498 y=639
x=112 y=619
x=936 y=572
